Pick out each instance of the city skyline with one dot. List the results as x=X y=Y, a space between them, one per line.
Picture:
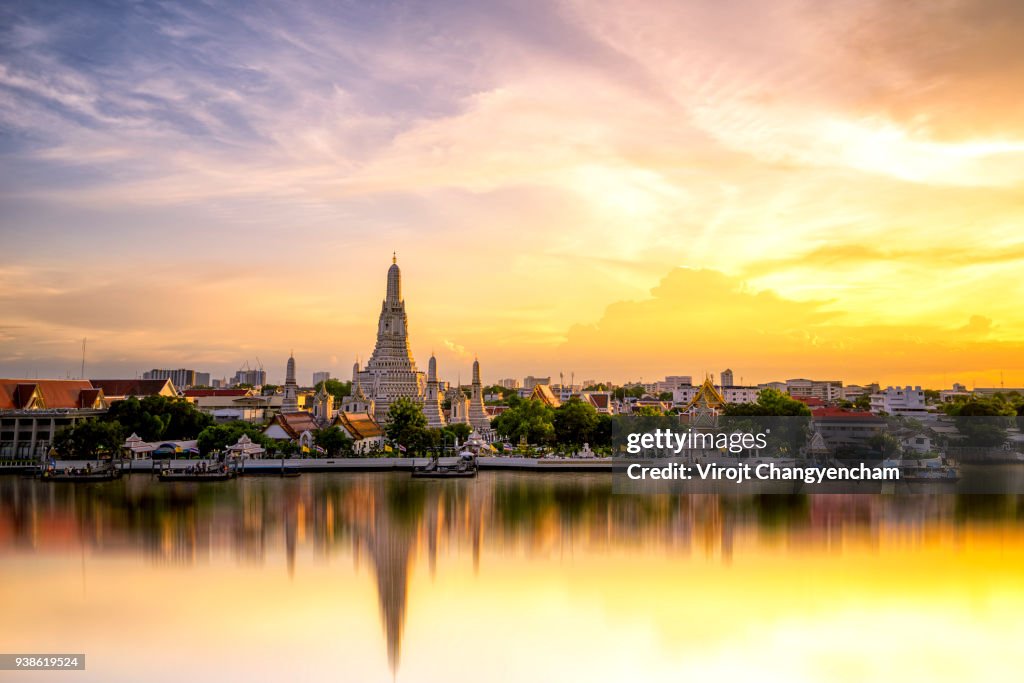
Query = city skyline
x=618 y=190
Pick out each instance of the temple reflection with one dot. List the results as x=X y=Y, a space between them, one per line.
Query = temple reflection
x=385 y=524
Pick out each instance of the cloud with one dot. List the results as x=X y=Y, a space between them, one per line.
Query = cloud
x=702 y=320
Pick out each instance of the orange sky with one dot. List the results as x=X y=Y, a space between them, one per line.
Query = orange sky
x=612 y=189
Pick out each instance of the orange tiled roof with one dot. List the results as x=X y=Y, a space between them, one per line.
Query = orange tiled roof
x=543 y=393
x=132 y=387
x=359 y=425
x=51 y=394
x=296 y=423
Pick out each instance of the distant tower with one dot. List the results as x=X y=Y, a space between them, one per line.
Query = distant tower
x=290 y=404
x=726 y=378
x=432 y=399
x=477 y=412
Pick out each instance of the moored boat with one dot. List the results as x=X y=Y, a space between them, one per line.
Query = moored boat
x=222 y=474
x=926 y=470
x=80 y=475
x=464 y=468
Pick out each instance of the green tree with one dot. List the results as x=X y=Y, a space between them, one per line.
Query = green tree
x=407 y=425
x=648 y=411
x=219 y=437
x=333 y=440
x=575 y=422
x=982 y=422
x=335 y=388
x=89 y=439
x=528 y=417
x=770 y=403
x=454 y=433
x=862 y=402
x=634 y=391
x=156 y=418
x=665 y=396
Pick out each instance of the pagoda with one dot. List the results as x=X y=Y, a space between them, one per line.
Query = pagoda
x=391 y=371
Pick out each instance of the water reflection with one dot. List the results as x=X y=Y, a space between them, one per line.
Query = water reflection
x=389 y=523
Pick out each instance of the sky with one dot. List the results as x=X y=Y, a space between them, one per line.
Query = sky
x=609 y=190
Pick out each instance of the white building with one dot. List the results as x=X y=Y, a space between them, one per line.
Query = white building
x=828 y=391
x=321 y=376
x=672 y=382
x=899 y=401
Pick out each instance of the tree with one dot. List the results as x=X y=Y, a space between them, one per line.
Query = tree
x=219 y=437
x=575 y=422
x=454 y=433
x=89 y=439
x=885 y=443
x=333 y=440
x=648 y=411
x=156 y=418
x=982 y=422
x=528 y=417
x=665 y=396
x=635 y=391
x=498 y=389
x=770 y=403
x=407 y=425
x=786 y=435
x=862 y=402
x=335 y=388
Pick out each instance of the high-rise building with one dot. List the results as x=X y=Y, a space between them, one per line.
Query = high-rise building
x=671 y=383
x=181 y=378
x=391 y=371
x=257 y=378
x=321 y=376
x=529 y=382
x=202 y=379
x=726 y=378
x=509 y=383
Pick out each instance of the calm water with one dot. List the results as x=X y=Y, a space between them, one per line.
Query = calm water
x=509 y=577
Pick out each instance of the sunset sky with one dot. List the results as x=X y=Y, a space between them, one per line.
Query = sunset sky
x=618 y=190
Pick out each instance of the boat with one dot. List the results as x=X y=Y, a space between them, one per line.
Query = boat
x=925 y=470
x=464 y=468
x=80 y=475
x=181 y=475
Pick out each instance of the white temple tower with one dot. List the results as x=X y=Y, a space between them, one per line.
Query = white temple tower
x=290 y=404
x=391 y=371
x=432 y=400
x=477 y=412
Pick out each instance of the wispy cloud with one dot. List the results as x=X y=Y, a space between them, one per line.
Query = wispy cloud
x=539 y=159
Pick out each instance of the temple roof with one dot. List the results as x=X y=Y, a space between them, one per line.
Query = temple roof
x=707 y=396
x=294 y=424
x=48 y=394
x=135 y=387
x=543 y=393
x=358 y=425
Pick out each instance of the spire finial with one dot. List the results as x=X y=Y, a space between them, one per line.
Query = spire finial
x=394 y=257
